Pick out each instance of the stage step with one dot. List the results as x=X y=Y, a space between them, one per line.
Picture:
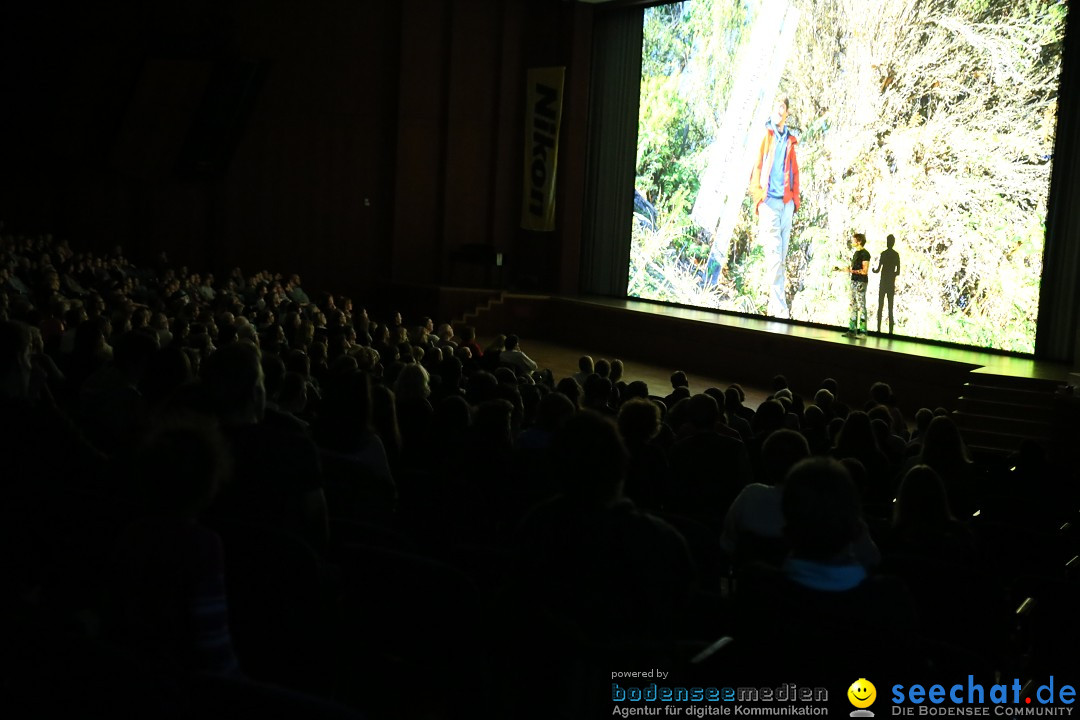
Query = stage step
x=997 y=413
x=1041 y=429
x=475 y=316
x=993 y=443
x=976 y=406
x=1012 y=395
x=1041 y=385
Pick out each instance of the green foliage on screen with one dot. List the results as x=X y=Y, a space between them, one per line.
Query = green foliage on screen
x=933 y=121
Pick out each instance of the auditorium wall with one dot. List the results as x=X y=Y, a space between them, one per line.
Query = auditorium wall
x=377 y=137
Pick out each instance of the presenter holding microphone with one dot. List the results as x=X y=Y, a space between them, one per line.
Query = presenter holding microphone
x=860 y=267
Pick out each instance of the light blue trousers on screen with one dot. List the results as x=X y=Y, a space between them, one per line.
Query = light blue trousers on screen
x=774 y=231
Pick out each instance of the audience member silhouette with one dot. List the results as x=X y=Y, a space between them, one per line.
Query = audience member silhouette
x=822 y=609
x=513 y=356
x=754 y=525
x=590 y=556
x=277 y=476
x=944 y=450
x=923 y=524
x=647 y=476
x=708 y=469
x=169 y=591
x=857 y=440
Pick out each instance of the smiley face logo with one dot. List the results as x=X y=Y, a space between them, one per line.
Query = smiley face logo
x=862 y=693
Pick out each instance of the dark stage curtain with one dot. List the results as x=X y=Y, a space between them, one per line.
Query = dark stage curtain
x=1058 y=333
x=610 y=169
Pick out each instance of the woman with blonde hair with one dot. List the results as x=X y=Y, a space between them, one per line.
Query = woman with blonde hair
x=414 y=411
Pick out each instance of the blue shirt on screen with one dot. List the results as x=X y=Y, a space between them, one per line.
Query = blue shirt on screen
x=776 y=175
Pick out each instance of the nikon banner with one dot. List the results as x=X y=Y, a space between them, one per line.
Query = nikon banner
x=543 y=112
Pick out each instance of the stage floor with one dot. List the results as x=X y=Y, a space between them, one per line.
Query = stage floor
x=988 y=362
x=995 y=398
x=717 y=349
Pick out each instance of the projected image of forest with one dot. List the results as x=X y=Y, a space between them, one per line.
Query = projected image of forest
x=932 y=121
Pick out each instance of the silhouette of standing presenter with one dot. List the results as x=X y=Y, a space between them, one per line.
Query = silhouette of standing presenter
x=889 y=267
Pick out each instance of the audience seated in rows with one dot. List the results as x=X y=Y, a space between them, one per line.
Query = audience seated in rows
x=190 y=455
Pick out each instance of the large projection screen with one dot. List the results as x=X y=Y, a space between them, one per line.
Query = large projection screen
x=933 y=122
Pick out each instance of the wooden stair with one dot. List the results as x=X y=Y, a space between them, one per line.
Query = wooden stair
x=996 y=413
x=481 y=317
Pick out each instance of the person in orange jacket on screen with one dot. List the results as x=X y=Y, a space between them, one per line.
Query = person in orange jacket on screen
x=774 y=188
